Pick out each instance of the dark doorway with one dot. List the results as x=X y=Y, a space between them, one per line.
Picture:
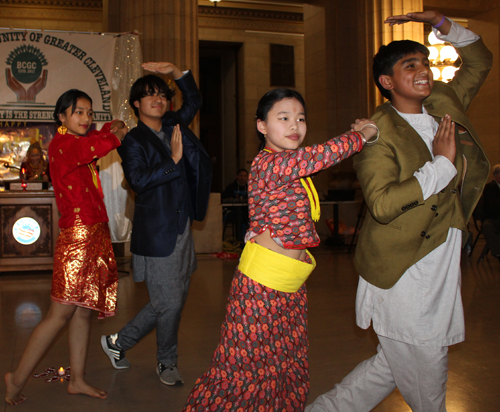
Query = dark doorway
x=219 y=113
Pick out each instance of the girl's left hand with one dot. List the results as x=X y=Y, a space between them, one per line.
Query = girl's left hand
x=368 y=131
x=119 y=128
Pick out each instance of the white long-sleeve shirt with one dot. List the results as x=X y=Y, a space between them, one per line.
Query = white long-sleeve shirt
x=424 y=307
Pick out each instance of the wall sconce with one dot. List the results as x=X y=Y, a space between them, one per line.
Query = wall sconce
x=442 y=58
x=215 y=2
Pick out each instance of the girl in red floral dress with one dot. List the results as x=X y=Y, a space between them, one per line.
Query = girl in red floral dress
x=261 y=362
x=85 y=276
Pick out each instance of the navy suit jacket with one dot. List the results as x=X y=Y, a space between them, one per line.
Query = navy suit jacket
x=160 y=184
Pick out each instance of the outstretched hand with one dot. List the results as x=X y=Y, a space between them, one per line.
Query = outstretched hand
x=431 y=17
x=368 y=128
x=119 y=128
x=163 y=68
x=444 y=140
x=176 y=144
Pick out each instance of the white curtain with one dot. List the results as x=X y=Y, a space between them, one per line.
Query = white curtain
x=118 y=198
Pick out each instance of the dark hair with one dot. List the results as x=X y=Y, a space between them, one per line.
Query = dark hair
x=146 y=85
x=242 y=170
x=267 y=102
x=69 y=99
x=388 y=56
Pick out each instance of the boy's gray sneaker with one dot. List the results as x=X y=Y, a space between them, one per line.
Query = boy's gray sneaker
x=169 y=375
x=115 y=354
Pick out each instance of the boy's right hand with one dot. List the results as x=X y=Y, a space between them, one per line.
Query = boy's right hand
x=176 y=144
x=444 y=141
x=429 y=16
x=162 y=68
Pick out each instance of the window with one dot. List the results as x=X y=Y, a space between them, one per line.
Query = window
x=282 y=66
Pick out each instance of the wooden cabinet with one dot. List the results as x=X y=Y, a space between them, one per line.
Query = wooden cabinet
x=28 y=230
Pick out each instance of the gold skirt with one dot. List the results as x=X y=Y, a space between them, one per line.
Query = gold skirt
x=85 y=271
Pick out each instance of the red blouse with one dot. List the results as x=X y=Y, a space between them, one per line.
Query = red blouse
x=73 y=170
x=277 y=200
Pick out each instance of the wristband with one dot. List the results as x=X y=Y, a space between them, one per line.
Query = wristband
x=372 y=141
x=437 y=26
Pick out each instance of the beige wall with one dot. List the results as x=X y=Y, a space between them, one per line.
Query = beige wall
x=484 y=111
x=254 y=74
x=39 y=16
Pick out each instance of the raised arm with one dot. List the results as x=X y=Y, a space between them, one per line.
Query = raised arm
x=434 y=18
x=82 y=150
x=282 y=167
x=191 y=97
x=476 y=58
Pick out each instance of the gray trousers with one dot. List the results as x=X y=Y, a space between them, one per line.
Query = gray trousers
x=419 y=372
x=167 y=280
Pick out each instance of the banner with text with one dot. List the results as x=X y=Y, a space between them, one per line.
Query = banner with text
x=36 y=67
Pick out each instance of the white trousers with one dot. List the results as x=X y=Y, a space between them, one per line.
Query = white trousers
x=419 y=372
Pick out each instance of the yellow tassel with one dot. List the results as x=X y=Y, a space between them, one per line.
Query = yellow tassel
x=94 y=175
x=312 y=194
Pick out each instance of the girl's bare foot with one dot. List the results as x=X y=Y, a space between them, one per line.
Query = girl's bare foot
x=13 y=395
x=82 y=387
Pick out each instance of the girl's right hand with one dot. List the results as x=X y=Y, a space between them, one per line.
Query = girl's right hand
x=176 y=144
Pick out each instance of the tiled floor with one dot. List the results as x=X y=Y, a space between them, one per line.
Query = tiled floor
x=336 y=344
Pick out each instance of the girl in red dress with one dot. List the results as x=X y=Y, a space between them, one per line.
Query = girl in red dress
x=261 y=362
x=85 y=275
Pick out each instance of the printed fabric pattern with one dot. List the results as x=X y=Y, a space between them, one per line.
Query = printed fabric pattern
x=261 y=362
x=277 y=200
x=85 y=272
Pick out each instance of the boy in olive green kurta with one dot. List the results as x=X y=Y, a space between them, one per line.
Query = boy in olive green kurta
x=421 y=182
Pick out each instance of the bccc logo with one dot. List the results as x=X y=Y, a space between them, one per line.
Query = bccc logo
x=26 y=68
x=26 y=65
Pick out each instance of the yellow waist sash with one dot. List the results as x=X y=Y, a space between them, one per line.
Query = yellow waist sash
x=274 y=270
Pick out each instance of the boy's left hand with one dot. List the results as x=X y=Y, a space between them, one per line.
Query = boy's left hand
x=444 y=141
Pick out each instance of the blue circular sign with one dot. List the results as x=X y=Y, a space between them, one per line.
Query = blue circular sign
x=26 y=231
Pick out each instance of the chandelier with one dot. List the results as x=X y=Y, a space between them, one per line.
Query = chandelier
x=442 y=58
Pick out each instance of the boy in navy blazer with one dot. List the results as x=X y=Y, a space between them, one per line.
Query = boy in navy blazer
x=170 y=172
